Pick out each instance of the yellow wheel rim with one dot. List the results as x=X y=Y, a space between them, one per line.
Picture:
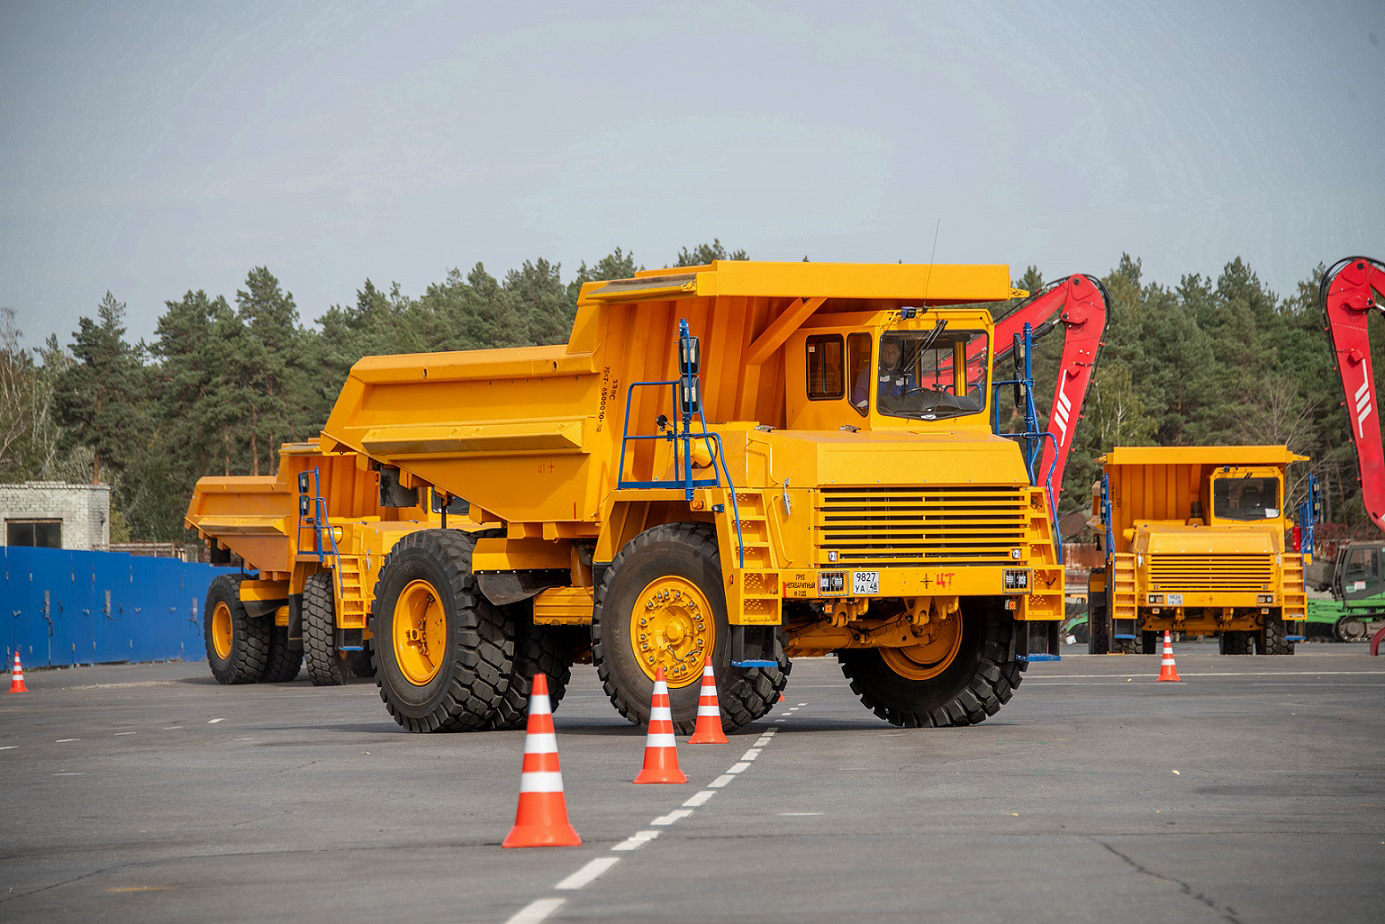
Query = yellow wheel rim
x=931 y=656
x=420 y=633
x=672 y=627
x=222 y=632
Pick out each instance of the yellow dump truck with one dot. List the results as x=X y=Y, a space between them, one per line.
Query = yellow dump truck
x=737 y=463
x=1194 y=540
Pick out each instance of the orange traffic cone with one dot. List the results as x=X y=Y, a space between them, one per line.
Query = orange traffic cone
x=660 y=753
x=708 y=730
x=17 y=678
x=541 y=819
x=1167 y=671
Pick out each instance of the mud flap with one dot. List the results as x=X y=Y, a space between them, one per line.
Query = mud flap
x=1036 y=640
x=753 y=646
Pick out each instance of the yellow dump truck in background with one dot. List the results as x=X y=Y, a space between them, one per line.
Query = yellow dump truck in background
x=737 y=463
x=1195 y=542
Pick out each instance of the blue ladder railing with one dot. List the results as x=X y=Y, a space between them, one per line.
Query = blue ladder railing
x=685 y=406
x=1032 y=437
x=312 y=508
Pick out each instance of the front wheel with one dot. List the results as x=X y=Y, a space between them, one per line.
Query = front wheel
x=326 y=667
x=964 y=676
x=661 y=604
x=443 y=653
x=237 y=645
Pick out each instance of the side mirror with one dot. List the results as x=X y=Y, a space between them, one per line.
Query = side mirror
x=304 y=483
x=690 y=402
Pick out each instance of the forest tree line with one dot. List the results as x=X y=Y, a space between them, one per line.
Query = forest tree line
x=224 y=381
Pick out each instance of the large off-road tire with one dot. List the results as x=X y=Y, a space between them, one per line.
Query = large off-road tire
x=284 y=661
x=538 y=650
x=443 y=653
x=1237 y=643
x=363 y=662
x=1098 y=624
x=971 y=682
x=237 y=645
x=1274 y=638
x=326 y=666
x=661 y=604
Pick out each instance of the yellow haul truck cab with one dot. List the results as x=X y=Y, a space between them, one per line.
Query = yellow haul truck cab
x=1194 y=540
x=735 y=463
x=307 y=601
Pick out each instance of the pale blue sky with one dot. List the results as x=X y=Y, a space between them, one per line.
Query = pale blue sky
x=149 y=148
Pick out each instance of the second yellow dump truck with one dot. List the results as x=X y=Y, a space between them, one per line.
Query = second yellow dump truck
x=736 y=463
x=1195 y=542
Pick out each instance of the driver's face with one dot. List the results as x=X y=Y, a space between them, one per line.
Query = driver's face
x=889 y=352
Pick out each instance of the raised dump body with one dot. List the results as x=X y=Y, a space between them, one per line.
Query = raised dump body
x=1195 y=542
x=849 y=495
x=265 y=627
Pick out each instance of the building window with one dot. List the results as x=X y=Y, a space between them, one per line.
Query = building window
x=46 y=534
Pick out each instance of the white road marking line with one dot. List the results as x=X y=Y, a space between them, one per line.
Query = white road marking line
x=118 y=734
x=720 y=781
x=798 y=814
x=66 y=740
x=536 y=911
x=9 y=747
x=172 y=727
x=778 y=720
x=214 y=721
x=587 y=873
x=636 y=842
x=763 y=742
x=751 y=754
x=700 y=799
x=671 y=817
x=737 y=768
x=69 y=773
x=801 y=704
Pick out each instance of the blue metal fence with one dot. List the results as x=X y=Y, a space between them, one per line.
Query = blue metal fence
x=61 y=607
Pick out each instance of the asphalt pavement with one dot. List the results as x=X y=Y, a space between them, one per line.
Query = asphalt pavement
x=1251 y=791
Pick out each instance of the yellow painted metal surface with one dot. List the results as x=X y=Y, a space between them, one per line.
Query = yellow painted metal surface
x=1176 y=560
x=833 y=502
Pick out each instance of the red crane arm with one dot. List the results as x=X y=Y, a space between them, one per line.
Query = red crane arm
x=1080 y=302
x=1349 y=290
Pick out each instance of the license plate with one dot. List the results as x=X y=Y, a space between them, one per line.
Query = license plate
x=1175 y=599
x=865 y=582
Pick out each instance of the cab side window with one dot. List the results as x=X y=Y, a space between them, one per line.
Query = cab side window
x=858 y=371
x=826 y=378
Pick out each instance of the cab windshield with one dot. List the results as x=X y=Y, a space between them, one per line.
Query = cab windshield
x=932 y=374
x=1245 y=498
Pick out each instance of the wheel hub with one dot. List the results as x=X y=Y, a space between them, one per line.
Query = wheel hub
x=672 y=627
x=420 y=633
x=937 y=646
x=222 y=630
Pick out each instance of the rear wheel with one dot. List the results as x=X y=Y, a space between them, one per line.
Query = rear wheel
x=538 y=650
x=661 y=604
x=443 y=653
x=1274 y=638
x=326 y=666
x=1098 y=624
x=284 y=660
x=237 y=645
x=1237 y=643
x=962 y=677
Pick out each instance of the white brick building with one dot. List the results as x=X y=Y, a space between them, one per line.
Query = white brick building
x=56 y=515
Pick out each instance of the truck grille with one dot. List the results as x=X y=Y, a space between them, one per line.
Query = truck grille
x=1193 y=573
x=946 y=525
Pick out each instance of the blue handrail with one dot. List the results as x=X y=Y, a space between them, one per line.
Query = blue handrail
x=685 y=389
x=320 y=522
x=1032 y=437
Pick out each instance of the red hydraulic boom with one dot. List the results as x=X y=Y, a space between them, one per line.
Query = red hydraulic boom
x=1080 y=302
x=1350 y=289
